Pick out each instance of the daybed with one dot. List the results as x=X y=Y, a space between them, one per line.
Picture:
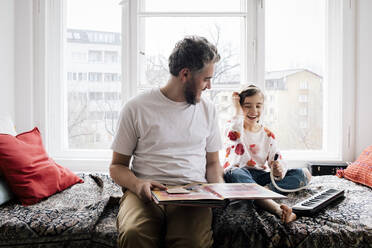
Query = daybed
x=84 y=216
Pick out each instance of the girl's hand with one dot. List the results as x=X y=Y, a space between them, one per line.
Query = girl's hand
x=236 y=103
x=277 y=169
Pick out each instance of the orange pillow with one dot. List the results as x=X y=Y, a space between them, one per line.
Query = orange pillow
x=361 y=170
x=28 y=170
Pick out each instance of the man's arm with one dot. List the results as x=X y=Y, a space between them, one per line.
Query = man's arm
x=123 y=176
x=214 y=169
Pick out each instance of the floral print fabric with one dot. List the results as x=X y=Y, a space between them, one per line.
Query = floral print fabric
x=248 y=149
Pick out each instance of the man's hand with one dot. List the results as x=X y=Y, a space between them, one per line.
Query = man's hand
x=277 y=169
x=123 y=176
x=143 y=189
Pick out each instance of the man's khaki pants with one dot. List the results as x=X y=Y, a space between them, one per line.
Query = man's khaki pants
x=150 y=225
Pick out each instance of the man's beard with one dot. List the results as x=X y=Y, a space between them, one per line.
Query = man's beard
x=190 y=91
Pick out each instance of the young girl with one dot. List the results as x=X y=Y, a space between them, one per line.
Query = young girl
x=252 y=151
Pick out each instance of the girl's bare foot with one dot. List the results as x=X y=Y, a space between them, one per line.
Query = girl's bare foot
x=287 y=214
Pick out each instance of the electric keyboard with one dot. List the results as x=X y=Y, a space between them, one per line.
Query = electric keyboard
x=317 y=202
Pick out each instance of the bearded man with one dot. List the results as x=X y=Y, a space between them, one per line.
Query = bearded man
x=168 y=136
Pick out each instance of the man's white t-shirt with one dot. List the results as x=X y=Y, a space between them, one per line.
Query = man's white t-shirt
x=168 y=140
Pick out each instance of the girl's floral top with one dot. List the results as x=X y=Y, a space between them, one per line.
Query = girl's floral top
x=255 y=150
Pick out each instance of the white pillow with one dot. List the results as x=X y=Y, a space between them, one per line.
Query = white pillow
x=7 y=126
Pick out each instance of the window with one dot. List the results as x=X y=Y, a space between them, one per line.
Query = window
x=97 y=63
x=304 y=85
x=302 y=98
x=295 y=51
x=160 y=24
x=95 y=56
x=82 y=76
x=95 y=76
x=111 y=57
x=111 y=77
x=274 y=83
x=93 y=106
x=298 y=57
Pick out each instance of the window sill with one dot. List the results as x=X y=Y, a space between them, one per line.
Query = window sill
x=85 y=165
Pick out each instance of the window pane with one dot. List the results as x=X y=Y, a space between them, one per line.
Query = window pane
x=294 y=85
x=92 y=72
x=160 y=34
x=222 y=99
x=192 y=5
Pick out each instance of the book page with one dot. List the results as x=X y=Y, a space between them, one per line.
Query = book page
x=242 y=191
x=195 y=192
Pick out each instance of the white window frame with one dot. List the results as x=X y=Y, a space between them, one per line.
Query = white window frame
x=131 y=14
x=47 y=100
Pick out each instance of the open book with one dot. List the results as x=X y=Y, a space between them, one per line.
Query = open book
x=212 y=195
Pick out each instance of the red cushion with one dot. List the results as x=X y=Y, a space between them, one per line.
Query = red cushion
x=360 y=171
x=29 y=171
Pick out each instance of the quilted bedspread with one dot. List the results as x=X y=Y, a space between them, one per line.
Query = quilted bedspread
x=85 y=214
x=346 y=223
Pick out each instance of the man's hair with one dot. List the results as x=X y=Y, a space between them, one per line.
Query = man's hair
x=251 y=90
x=193 y=52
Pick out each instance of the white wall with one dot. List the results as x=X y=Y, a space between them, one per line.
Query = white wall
x=363 y=130
x=7 y=58
x=23 y=57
